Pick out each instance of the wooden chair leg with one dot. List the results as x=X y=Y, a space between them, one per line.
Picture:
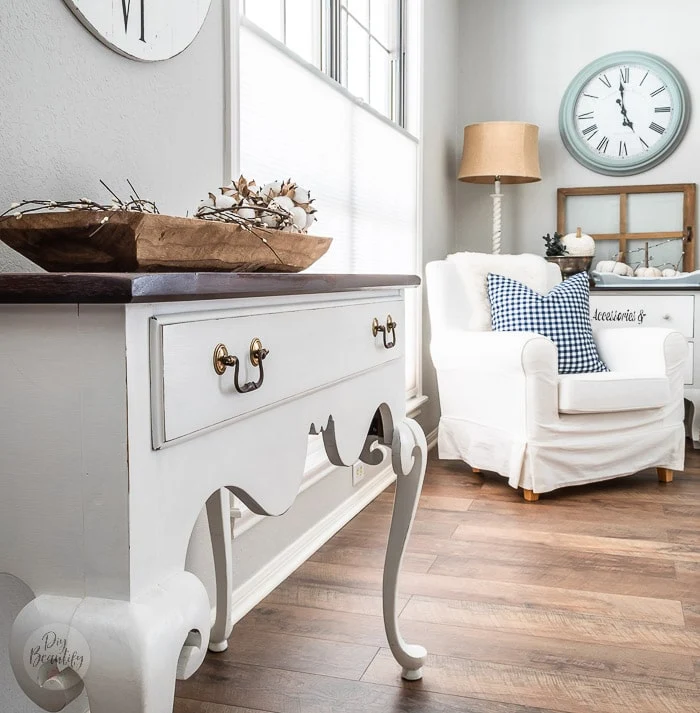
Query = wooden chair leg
x=530 y=496
x=665 y=475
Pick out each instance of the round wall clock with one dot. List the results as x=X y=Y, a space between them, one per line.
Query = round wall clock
x=624 y=113
x=148 y=30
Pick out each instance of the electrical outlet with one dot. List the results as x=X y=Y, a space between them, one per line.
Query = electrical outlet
x=358 y=472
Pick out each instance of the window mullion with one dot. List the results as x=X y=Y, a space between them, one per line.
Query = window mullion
x=334 y=40
x=283 y=16
x=400 y=73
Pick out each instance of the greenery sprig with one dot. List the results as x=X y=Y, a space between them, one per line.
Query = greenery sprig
x=553 y=245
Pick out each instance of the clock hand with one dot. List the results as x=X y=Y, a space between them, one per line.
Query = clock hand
x=623 y=110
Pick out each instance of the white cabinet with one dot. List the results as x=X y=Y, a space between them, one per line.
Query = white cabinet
x=118 y=423
x=648 y=307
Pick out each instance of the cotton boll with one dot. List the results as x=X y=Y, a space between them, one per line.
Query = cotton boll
x=270 y=190
x=246 y=213
x=310 y=219
x=207 y=202
x=669 y=272
x=225 y=202
x=283 y=203
x=299 y=217
x=301 y=195
x=269 y=220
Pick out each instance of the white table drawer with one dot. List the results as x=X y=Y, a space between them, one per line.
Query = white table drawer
x=304 y=347
x=671 y=311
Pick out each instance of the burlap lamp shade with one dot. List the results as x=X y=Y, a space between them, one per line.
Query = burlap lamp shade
x=500 y=152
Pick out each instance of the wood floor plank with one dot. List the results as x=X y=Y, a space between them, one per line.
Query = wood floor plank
x=691 y=613
x=432 y=502
x=381 y=511
x=187 y=705
x=587 y=544
x=334 y=599
x=614 y=579
x=684 y=516
x=297 y=653
x=370 y=556
x=572 y=627
x=551 y=654
x=292 y=692
x=559 y=521
x=686 y=537
x=517 y=553
x=379 y=524
x=534 y=553
x=565 y=692
x=526 y=596
x=619 y=512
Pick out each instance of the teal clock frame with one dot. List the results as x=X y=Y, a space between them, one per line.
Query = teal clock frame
x=576 y=145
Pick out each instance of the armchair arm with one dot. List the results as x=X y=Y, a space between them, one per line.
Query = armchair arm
x=505 y=380
x=494 y=352
x=647 y=350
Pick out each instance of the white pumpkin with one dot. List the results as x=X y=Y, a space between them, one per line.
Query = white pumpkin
x=647 y=272
x=614 y=266
x=669 y=272
x=578 y=243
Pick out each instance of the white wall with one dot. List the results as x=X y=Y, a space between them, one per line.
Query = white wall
x=517 y=58
x=439 y=161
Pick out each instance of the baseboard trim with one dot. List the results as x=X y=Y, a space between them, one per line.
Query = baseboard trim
x=255 y=589
x=431 y=438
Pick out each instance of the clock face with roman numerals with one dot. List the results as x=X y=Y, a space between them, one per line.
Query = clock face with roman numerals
x=624 y=113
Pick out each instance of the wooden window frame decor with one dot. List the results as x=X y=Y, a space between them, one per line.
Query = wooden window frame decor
x=687 y=235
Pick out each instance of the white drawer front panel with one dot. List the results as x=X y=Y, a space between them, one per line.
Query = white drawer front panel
x=670 y=311
x=307 y=349
x=689 y=364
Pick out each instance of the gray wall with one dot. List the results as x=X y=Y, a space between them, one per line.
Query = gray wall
x=516 y=59
x=73 y=111
x=441 y=38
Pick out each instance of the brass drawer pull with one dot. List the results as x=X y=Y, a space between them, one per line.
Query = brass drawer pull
x=222 y=360
x=389 y=328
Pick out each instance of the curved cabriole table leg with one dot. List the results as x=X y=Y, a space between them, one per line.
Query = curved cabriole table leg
x=408 y=456
x=219 y=517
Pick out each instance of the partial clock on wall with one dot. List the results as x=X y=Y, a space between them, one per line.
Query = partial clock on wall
x=147 y=30
x=624 y=113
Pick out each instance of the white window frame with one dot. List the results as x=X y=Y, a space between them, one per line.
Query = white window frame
x=330 y=46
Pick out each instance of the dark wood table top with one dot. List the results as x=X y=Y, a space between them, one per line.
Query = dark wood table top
x=123 y=288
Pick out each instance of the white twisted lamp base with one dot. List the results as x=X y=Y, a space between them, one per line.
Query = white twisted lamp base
x=497 y=197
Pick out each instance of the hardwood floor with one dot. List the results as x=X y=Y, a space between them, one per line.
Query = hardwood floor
x=587 y=601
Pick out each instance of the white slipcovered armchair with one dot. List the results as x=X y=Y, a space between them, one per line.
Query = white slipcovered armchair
x=505 y=408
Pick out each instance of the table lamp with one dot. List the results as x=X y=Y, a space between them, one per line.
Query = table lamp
x=500 y=152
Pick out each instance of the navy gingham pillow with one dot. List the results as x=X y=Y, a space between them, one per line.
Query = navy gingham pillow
x=562 y=315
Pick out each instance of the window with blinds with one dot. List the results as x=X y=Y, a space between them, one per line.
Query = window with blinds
x=361 y=169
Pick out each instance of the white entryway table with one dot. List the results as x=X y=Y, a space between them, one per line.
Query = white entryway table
x=131 y=401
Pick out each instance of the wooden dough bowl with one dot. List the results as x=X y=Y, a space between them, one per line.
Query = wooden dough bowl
x=143 y=242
